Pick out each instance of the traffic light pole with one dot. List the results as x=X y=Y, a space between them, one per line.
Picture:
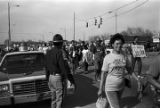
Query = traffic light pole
x=74 y=27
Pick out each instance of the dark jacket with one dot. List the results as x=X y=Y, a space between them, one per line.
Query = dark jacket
x=55 y=64
x=55 y=61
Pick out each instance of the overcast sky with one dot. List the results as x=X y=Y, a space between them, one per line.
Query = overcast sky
x=40 y=19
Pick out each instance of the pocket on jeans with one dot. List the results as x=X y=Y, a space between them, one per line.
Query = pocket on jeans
x=59 y=84
x=49 y=85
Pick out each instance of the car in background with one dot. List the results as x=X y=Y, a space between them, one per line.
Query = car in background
x=22 y=78
x=108 y=51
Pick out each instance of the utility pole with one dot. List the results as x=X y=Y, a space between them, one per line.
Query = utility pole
x=43 y=38
x=116 y=22
x=65 y=33
x=9 y=25
x=84 y=36
x=115 y=12
x=74 y=27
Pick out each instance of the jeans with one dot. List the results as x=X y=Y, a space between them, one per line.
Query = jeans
x=85 y=64
x=139 y=64
x=75 y=64
x=113 y=98
x=98 y=66
x=55 y=85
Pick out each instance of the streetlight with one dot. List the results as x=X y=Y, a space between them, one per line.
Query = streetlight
x=52 y=33
x=115 y=19
x=65 y=33
x=74 y=26
x=9 y=25
x=64 y=30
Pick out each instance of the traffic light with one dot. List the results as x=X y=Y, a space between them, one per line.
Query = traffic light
x=87 y=24
x=101 y=20
x=99 y=25
x=95 y=22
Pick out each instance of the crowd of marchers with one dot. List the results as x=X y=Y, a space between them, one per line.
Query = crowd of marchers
x=112 y=62
x=74 y=51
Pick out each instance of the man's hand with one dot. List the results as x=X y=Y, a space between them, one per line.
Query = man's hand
x=47 y=75
x=71 y=86
x=74 y=86
x=70 y=78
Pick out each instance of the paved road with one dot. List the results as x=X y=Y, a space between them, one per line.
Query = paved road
x=86 y=94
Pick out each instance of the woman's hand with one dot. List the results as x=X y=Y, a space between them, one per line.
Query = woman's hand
x=99 y=93
x=101 y=87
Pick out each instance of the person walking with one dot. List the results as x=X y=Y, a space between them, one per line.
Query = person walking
x=98 y=59
x=137 y=59
x=56 y=71
x=153 y=78
x=114 y=69
x=84 y=59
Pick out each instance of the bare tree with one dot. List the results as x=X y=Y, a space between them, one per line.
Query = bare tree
x=138 y=31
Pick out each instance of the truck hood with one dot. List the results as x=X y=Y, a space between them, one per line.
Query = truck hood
x=6 y=75
x=3 y=77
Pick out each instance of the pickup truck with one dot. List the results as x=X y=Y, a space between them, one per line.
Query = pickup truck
x=22 y=78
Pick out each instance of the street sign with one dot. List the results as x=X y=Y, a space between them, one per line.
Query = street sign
x=156 y=40
x=138 y=50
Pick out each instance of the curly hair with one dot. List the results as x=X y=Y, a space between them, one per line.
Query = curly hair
x=115 y=37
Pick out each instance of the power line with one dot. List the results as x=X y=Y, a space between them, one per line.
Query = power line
x=133 y=8
x=128 y=10
x=3 y=32
x=29 y=33
x=119 y=7
x=125 y=12
x=108 y=12
x=24 y=33
x=125 y=5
